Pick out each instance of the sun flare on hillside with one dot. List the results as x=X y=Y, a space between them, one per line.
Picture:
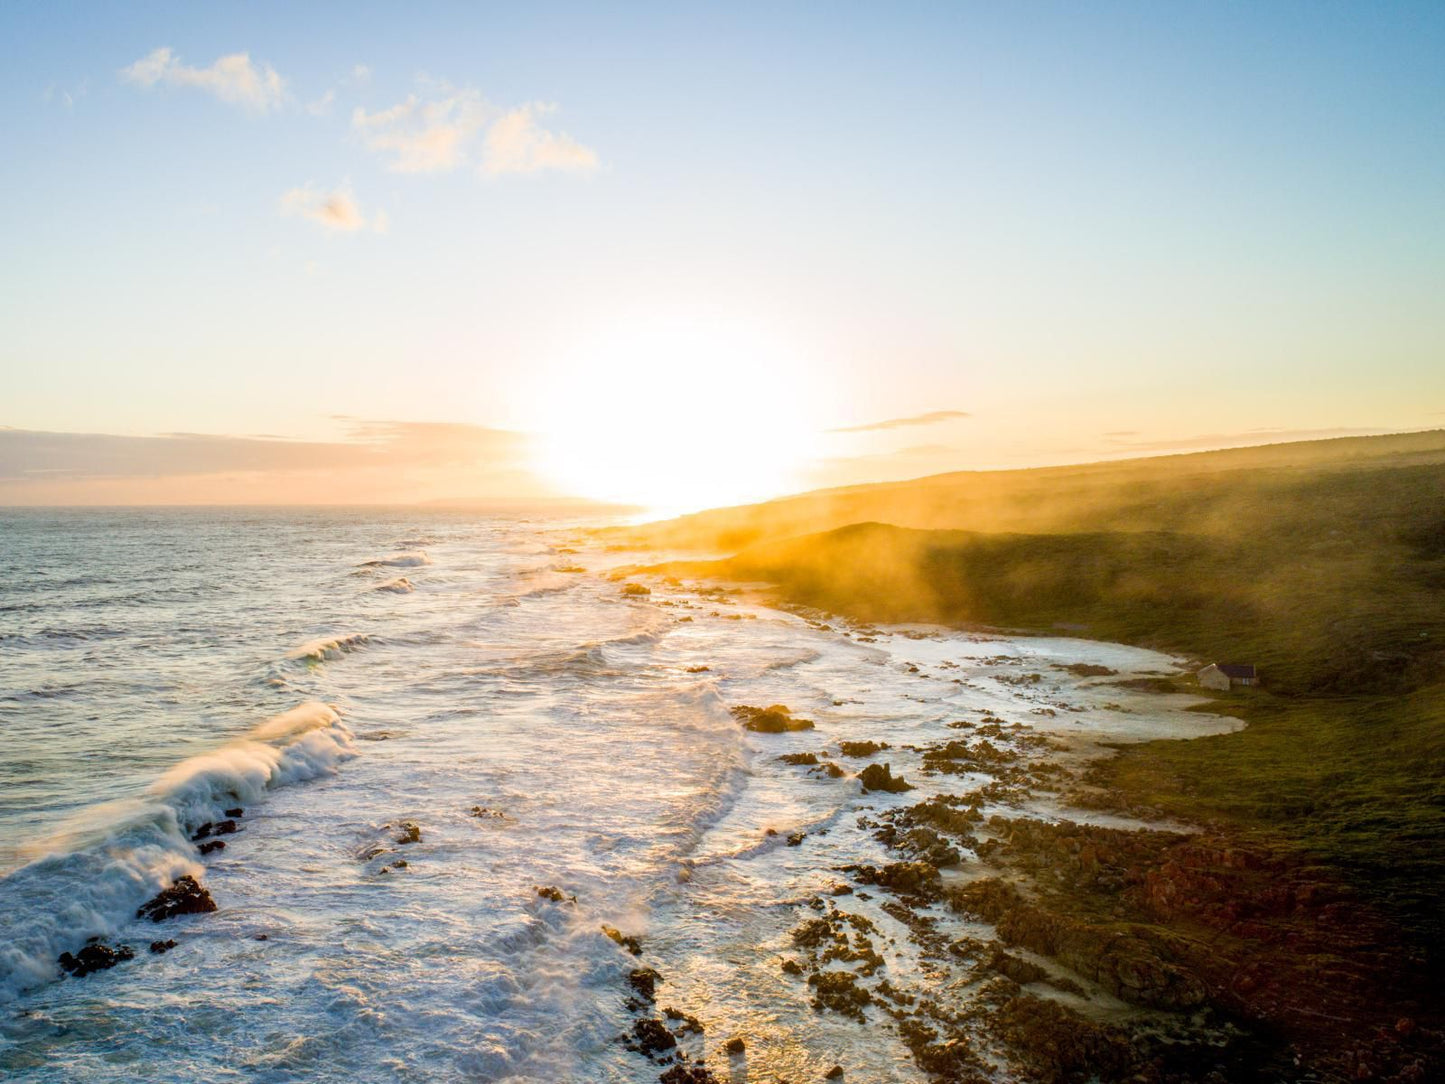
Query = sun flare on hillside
x=678 y=413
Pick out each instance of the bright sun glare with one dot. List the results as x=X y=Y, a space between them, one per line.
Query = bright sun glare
x=678 y=414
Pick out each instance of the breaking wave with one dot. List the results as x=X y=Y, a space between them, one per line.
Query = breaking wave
x=324 y=648
x=88 y=879
x=399 y=560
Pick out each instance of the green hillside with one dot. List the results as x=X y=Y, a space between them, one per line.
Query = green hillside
x=1323 y=563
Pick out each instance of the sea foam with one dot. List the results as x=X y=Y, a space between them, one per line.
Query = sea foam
x=88 y=878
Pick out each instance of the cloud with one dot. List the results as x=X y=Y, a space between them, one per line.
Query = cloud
x=433 y=135
x=336 y=210
x=931 y=418
x=515 y=143
x=56 y=93
x=232 y=78
x=376 y=461
x=425 y=136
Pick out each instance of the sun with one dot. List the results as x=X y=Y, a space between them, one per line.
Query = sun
x=677 y=413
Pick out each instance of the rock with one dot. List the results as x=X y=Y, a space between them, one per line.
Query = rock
x=799 y=759
x=159 y=947
x=94 y=957
x=185 y=897
x=735 y=1045
x=202 y=832
x=212 y=845
x=644 y=980
x=635 y=590
x=686 y=1021
x=835 y=1073
x=904 y=878
x=881 y=777
x=862 y=748
x=699 y=669
x=225 y=828
x=792 y=967
x=631 y=944
x=238 y=811
x=685 y=1072
x=550 y=892
x=482 y=812
x=839 y=991
x=796 y=838
x=775 y=719
x=652 y=1036
x=408 y=832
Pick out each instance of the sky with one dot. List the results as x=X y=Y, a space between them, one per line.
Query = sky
x=682 y=255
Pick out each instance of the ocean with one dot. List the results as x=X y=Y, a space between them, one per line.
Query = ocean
x=348 y=678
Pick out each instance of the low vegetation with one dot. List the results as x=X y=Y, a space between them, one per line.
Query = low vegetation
x=1323 y=563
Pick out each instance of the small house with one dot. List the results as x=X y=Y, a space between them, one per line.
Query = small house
x=1226 y=675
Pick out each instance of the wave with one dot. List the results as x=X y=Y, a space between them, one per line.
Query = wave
x=399 y=586
x=324 y=648
x=411 y=543
x=399 y=560
x=88 y=879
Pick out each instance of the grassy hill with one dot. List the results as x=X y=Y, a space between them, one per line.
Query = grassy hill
x=1323 y=563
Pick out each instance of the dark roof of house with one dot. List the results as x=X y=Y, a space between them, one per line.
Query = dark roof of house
x=1237 y=669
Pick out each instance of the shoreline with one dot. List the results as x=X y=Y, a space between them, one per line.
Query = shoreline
x=1226 y=955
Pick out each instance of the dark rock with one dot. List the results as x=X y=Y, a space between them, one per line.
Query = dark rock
x=904 y=878
x=687 y=1023
x=550 y=892
x=635 y=590
x=408 y=832
x=881 y=777
x=262 y=937
x=799 y=759
x=644 y=980
x=735 y=1045
x=225 y=828
x=839 y=991
x=159 y=947
x=792 y=967
x=835 y=1073
x=775 y=719
x=796 y=838
x=185 y=897
x=482 y=812
x=212 y=845
x=862 y=748
x=94 y=957
x=238 y=811
x=631 y=944
x=685 y=1072
x=652 y=1036
x=202 y=832
x=698 y=669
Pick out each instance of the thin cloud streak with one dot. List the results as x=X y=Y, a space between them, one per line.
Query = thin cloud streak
x=931 y=418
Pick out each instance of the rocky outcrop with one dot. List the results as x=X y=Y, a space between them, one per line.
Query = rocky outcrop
x=881 y=777
x=184 y=897
x=95 y=956
x=774 y=719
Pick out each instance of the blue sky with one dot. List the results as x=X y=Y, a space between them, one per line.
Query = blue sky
x=1092 y=228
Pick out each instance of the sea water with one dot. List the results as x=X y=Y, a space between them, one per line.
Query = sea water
x=337 y=674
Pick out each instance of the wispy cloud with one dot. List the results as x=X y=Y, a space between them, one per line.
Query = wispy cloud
x=516 y=143
x=931 y=418
x=234 y=78
x=451 y=128
x=67 y=97
x=336 y=210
